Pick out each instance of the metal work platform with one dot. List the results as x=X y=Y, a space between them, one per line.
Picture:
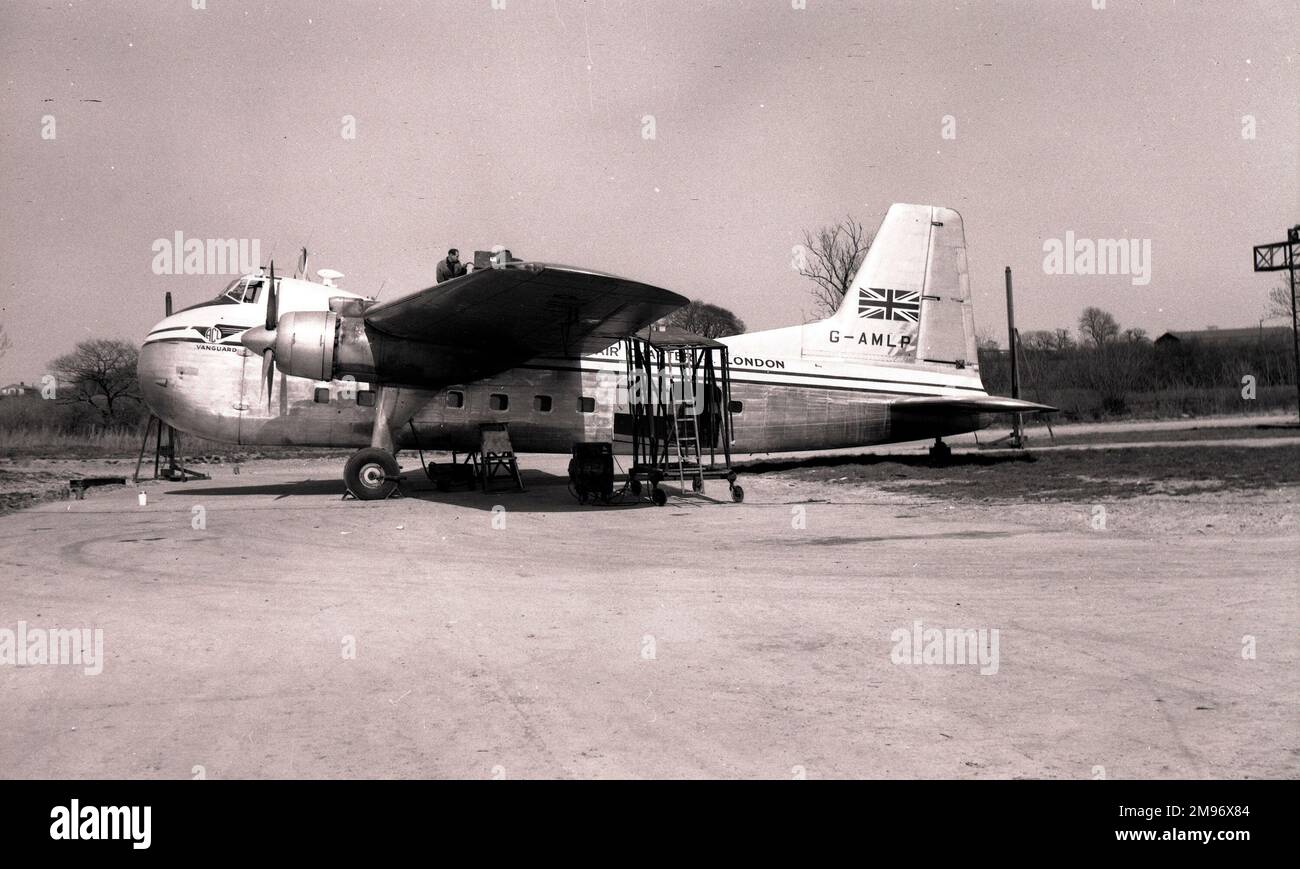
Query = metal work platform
x=493 y=461
x=679 y=417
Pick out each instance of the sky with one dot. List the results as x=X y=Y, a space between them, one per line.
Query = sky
x=527 y=123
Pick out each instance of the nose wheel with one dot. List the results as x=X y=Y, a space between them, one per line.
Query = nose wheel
x=371 y=474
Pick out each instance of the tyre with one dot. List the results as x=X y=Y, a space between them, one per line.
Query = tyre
x=659 y=496
x=737 y=494
x=371 y=474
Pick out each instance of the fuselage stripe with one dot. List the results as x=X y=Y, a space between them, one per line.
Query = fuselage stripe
x=864 y=380
x=810 y=379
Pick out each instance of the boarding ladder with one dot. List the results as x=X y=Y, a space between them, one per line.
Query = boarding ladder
x=685 y=422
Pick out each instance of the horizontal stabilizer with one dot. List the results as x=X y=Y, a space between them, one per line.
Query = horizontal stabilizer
x=980 y=404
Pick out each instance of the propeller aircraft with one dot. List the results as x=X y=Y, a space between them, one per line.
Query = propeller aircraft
x=289 y=361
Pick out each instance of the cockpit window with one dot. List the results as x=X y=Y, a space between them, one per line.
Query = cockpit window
x=233 y=292
x=242 y=290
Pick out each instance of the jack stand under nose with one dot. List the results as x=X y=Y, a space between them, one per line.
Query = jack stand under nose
x=940 y=453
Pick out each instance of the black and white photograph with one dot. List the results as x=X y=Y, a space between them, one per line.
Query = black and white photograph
x=444 y=391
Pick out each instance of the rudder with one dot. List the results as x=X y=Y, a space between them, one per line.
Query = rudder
x=911 y=294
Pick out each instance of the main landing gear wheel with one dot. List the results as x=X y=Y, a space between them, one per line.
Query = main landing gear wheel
x=659 y=496
x=371 y=474
x=697 y=484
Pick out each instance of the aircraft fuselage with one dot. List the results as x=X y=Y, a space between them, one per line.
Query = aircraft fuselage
x=214 y=390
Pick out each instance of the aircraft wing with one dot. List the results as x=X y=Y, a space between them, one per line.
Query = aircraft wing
x=940 y=404
x=525 y=310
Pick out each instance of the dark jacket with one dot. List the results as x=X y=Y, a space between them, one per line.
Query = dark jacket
x=448 y=270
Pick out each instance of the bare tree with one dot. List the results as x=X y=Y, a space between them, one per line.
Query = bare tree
x=1098 y=327
x=830 y=258
x=1136 y=335
x=1279 y=302
x=100 y=375
x=1038 y=339
x=1047 y=340
x=711 y=321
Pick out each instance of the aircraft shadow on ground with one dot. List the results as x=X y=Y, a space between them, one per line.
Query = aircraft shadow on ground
x=283 y=490
x=545 y=493
x=912 y=460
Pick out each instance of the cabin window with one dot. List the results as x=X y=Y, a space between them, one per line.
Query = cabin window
x=322 y=395
x=737 y=407
x=542 y=403
x=366 y=398
x=455 y=398
x=498 y=401
x=586 y=404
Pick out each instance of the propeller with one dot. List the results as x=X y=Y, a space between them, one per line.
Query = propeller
x=302 y=264
x=268 y=355
x=261 y=340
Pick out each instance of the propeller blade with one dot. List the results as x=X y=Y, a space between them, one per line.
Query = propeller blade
x=262 y=340
x=268 y=375
x=272 y=301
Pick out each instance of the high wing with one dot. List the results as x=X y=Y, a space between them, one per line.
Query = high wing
x=524 y=310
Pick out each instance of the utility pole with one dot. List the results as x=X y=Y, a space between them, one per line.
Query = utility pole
x=1016 y=440
x=1285 y=256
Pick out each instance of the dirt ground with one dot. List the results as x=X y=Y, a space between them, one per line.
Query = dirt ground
x=257 y=625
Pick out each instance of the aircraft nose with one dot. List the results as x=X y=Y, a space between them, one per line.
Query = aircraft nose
x=191 y=390
x=151 y=372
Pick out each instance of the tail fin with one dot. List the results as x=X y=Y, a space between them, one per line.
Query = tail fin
x=910 y=300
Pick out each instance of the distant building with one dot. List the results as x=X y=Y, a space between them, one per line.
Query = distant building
x=14 y=390
x=1248 y=335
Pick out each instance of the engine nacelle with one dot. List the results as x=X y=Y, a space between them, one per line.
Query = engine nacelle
x=304 y=344
x=321 y=345
x=325 y=345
